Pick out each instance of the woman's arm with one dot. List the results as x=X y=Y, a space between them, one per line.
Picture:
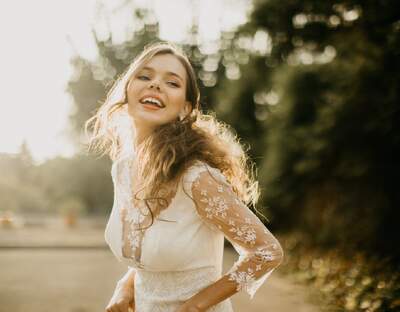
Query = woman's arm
x=260 y=252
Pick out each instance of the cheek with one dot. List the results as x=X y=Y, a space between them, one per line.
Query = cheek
x=132 y=92
x=178 y=96
x=177 y=102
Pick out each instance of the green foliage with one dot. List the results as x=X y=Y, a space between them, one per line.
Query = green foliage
x=18 y=190
x=80 y=177
x=354 y=281
x=41 y=188
x=327 y=97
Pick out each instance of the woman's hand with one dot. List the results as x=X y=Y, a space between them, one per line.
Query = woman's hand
x=122 y=300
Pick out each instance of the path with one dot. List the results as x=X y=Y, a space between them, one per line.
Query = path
x=82 y=280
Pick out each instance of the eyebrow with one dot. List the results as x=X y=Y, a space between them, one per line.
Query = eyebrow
x=168 y=73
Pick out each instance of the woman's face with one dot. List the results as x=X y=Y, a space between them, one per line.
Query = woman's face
x=157 y=92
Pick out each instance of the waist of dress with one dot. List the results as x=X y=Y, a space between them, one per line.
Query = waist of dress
x=180 y=284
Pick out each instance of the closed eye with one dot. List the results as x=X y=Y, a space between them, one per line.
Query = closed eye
x=173 y=83
x=143 y=77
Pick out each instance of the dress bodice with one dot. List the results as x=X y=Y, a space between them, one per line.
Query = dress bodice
x=177 y=234
x=189 y=233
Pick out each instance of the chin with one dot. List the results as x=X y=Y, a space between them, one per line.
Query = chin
x=149 y=119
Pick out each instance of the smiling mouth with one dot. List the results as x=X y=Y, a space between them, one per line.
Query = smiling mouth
x=152 y=102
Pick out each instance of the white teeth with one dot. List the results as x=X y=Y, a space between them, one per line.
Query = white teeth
x=153 y=100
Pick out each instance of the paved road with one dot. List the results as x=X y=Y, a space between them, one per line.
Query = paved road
x=82 y=280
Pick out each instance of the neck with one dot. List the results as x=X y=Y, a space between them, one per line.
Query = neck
x=141 y=135
x=141 y=132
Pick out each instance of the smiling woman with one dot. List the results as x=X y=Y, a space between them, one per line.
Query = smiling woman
x=163 y=72
x=183 y=183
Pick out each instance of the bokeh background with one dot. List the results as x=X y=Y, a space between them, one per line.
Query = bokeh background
x=312 y=87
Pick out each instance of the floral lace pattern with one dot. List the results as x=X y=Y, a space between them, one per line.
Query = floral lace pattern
x=135 y=217
x=167 y=291
x=219 y=206
x=130 y=218
x=215 y=205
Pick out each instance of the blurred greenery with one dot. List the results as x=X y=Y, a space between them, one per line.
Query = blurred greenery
x=313 y=88
x=27 y=188
x=362 y=282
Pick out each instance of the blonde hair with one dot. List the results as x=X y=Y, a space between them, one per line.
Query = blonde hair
x=170 y=149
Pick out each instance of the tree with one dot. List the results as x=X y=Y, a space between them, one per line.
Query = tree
x=331 y=101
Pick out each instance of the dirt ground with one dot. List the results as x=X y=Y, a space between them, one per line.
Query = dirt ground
x=73 y=278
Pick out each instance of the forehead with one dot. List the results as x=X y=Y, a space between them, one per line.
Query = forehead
x=166 y=64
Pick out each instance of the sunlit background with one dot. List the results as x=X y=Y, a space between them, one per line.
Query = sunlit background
x=40 y=37
x=312 y=89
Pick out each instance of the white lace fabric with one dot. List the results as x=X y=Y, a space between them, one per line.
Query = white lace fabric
x=136 y=217
x=220 y=208
x=166 y=291
x=187 y=237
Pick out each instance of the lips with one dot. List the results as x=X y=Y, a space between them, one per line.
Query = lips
x=152 y=99
x=151 y=107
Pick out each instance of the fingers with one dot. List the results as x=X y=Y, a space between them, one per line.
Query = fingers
x=121 y=301
x=117 y=307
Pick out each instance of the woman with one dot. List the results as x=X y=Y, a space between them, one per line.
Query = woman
x=182 y=183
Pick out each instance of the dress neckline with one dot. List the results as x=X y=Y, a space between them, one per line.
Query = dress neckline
x=180 y=184
x=160 y=214
x=131 y=154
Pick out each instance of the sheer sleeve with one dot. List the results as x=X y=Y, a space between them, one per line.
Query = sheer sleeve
x=221 y=209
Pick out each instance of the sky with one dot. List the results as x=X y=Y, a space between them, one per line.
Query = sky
x=40 y=36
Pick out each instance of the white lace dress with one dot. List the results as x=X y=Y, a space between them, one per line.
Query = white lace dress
x=182 y=252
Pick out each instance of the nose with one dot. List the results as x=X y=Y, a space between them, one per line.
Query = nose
x=153 y=84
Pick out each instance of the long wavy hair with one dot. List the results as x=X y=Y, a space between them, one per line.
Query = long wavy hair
x=170 y=149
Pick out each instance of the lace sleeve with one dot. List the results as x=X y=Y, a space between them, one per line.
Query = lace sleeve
x=219 y=206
